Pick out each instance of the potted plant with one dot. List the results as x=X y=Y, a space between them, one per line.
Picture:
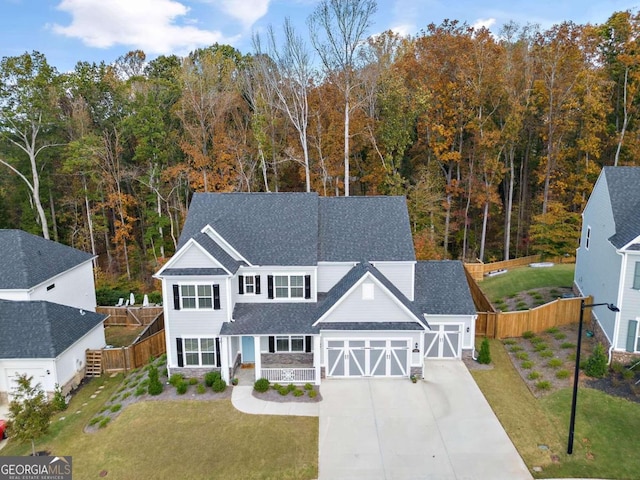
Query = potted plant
x=414 y=378
x=234 y=381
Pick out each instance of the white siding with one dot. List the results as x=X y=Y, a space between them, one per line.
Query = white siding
x=383 y=308
x=330 y=273
x=74 y=288
x=630 y=304
x=597 y=270
x=36 y=368
x=468 y=337
x=264 y=273
x=72 y=360
x=193 y=257
x=401 y=274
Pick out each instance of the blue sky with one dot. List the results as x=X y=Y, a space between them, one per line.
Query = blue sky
x=68 y=31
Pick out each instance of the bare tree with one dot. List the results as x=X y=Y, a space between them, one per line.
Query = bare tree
x=343 y=24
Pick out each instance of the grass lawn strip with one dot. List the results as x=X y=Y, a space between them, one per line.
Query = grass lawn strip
x=121 y=336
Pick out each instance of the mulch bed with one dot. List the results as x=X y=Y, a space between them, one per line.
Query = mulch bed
x=272 y=395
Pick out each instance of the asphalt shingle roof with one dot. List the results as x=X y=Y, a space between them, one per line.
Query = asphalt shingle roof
x=39 y=329
x=28 y=260
x=217 y=252
x=441 y=288
x=624 y=192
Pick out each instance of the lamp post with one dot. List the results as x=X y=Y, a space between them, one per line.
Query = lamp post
x=572 y=421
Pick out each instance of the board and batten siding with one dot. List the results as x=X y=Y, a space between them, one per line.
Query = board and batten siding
x=382 y=308
x=401 y=274
x=630 y=304
x=597 y=271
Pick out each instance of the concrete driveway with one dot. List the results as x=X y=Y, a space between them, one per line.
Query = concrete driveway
x=441 y=428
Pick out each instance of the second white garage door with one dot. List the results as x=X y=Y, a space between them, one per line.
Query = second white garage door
x=367 y=358
x=444 y=340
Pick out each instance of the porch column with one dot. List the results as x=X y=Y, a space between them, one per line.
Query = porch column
x=224 y=359
x=317 y=358
x=258 y=359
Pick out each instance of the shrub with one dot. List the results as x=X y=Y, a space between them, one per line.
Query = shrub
x=567 y=345
x=515 y=348
x=201 y=388
x=563 y=374
x=552 y=330
x=533 y=375
x=140 y=391
x=181 y=387
x=509 y=341
x=175 y=379
x=114 y=398
x=597 y=363
x=283 y=391
x=103 y=422
x=522 y=356
x=193 y=381
x=103 y=409
x=155 y=386
x=628 y=374
x=543 y=385
x=126 y=395
x=276 y=386
x=291 y=387
x=308 y=386
x=211 y=377
x=261 y=385
x=122 y=388
x=527 y=364
x=116 y=408
x=554 y=291
x=559 y=336
x=522 y=306
x=485 y=355
x=540 y=347
x=312 y=394
x=144 y=382
x=219 y=385
x=536 y=340
x=546 y=354
x=58 y=402
x=528 y=335
x=617 y=367
x=95 y=420
x=554 y=363
x=298 y=393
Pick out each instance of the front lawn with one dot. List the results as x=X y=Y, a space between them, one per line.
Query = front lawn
x=180 y=439
x=606 y=441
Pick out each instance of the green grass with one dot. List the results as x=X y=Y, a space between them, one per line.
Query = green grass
x=524 y=279
x=606 y=439
x=240 y=445
x=120 y=336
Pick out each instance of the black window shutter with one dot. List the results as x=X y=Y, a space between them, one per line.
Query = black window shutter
x=257 y=284
x=270 y=286
x=176 y=297
x=179 y=351
x=307 y=286
x=272 y=344
x=307 y=344
x=241 y=284
x=218 y=364
x=216 y=297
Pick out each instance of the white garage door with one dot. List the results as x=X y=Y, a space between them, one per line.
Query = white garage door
x=38 y=375
x=367 y=358
x=444 y=340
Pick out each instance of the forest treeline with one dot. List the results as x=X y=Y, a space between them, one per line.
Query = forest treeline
x=496 y=140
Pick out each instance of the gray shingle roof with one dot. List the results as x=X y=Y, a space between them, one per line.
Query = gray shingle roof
x=178 y=272
x=365 y=228
x=441 y=288
x=265 y=228
x=39 y=329
x=624 y=192
x=28 y=260
x=271 y=319
x=217 y=252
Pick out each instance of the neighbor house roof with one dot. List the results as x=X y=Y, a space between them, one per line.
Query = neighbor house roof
x=28 y=260
x=39 y=329
x=623 y=184
x=441 y=288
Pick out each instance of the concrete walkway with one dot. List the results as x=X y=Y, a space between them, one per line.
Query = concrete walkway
x=243 y=400
x=441 y=428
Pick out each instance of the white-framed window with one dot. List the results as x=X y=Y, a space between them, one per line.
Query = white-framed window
x=249 y=284
x=289 y=286
x=199 y=352
x=588 y=238
x=289 y=343
x=199 y=297
x=636 y=277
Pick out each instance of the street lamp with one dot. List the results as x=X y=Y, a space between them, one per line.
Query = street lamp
x=572 y=421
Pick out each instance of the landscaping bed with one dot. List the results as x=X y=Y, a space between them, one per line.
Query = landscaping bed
x=307 y=393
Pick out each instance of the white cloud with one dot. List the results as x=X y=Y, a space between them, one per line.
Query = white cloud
x=148 y=25
x=484 y=22
x=404 y=29
x=247 y=12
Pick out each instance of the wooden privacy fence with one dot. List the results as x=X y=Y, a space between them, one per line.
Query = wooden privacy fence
x=562 y=311
x=478 y=270
x=130 y=316
x=123 y=359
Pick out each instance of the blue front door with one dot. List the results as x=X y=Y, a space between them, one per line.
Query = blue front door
x=248 y=351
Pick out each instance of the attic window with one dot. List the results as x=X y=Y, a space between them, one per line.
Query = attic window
x=586 y=242
x=367 y=291
x=51 y=287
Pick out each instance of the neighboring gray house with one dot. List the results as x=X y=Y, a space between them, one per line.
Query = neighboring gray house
x=46 y=341
x=305 y=287
x=608 y=259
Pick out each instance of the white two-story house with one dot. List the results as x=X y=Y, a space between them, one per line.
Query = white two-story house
x=608 y=259
x=305 y=287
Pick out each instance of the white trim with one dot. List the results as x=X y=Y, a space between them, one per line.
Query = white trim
x=190 y=336
x=442 y=332
x=288 y=275
x=176 y=256
x=196 y=284
x=226 y=246
x=355 y=286
x=616 y=319
x=367 y=368
x=631 y=242
x=275 y=343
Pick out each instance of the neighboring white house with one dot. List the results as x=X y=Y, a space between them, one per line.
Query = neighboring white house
x=46 y=341
x=608 y=259
x=306 y=287
x=47 y=312
x=33 y=268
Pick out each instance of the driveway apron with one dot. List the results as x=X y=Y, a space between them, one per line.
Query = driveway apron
x=441 y=428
